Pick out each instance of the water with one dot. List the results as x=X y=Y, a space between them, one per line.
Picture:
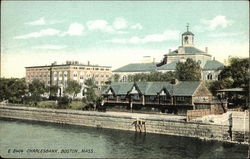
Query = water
x=86 y=142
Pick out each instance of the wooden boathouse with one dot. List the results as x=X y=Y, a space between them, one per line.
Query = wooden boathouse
x=170 y=97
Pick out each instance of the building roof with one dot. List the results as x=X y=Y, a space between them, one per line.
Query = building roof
x=212 y=65
x=232 y=90
x=137 y=67
x=186 y=88
x=170 y=66
x=188 y=33
x=59 y=65
x=182 y=88
x=188 y=51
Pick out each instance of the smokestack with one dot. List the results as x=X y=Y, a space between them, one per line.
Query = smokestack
x=206 y=49
x=88 y=63
x=169 y=50
x=214 y=58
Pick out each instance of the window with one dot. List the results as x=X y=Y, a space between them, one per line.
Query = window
x=180 y=98
x=124 y=78
x=96 y=76
x=81 y=76
x=209 y=76
x=107 y=76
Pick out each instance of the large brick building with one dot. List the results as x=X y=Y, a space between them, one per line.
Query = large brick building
x=59 y=74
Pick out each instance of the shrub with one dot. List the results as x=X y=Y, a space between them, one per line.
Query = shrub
x=77 y=105
x=63 y=102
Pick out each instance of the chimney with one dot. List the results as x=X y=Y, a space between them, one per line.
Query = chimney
x=153 y=60
x=206 y=49
x=174 y=81
x=169 y=50
x=181 y=50
x=214 y=58
x=88 y=63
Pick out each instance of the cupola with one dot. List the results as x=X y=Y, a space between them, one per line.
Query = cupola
x=187 y=38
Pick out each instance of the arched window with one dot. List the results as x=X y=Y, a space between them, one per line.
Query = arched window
x=124 y=78
x=209 y=76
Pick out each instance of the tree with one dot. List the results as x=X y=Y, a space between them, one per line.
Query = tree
x=73 y=88
x=151 y=77
x=235 y=75
x=12 y=89
x=116 y=78
x=188 y=71
x=237 y=70
x=36 y=89
x=53 y=89
x=90 y=93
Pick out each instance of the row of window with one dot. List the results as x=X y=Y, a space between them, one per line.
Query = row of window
x=87 y=68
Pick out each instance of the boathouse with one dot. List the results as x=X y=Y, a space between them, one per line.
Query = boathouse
x=171 y=97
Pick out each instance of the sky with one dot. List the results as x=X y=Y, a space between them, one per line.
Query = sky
x=116 y=33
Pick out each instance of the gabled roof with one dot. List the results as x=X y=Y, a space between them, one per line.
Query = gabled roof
x=137 y=67
x=188 y=51
x=182 y=88
x=186 y=88
x=170 y=66
x=213 y=65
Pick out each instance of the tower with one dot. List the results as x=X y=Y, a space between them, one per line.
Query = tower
x=187 y=38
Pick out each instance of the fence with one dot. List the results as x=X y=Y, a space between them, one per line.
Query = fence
x=193 y=114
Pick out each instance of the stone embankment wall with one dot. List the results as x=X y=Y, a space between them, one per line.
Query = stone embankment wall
x=116 y=121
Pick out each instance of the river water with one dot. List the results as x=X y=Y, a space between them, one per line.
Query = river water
x=37 y=139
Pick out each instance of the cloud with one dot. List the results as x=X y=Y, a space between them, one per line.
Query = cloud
x=223 y=34
x=166 y=35
x=42 y=21
x=136 y=26
x=75 y=29
x=102 y=25
x=51 y=47
x=41 y=33
x=120 y=23
x=218 y=21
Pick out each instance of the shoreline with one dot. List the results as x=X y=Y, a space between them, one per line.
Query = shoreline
x=156 y=124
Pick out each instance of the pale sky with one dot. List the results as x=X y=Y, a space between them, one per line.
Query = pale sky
x=116 y=33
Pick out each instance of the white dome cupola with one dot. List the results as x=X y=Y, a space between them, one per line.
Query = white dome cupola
x=187 y=38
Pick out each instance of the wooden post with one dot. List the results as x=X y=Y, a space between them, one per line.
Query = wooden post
x=143 y=100
x=159 y=99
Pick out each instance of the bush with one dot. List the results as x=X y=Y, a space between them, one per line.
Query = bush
x=63 y=102
x=77 y=105
x=47 y=104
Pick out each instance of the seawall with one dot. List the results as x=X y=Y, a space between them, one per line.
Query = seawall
x=160 y=124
